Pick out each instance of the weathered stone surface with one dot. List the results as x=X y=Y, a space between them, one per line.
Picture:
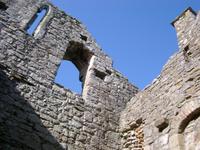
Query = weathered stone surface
x=170 y=105
x=35 y=112
x=38 y=114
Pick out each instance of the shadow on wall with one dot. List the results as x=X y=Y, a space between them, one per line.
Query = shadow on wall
x=20 y=127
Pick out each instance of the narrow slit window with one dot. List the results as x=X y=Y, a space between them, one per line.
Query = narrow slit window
x=187 y=54
x=36 y=20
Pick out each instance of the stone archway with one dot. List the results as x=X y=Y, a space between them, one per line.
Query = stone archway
x=189 y=126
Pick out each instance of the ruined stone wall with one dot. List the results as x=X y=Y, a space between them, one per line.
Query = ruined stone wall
x=35 y=112
x=168 y=110
x=38 y=114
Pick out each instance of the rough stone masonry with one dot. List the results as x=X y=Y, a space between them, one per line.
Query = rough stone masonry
x=111 y=114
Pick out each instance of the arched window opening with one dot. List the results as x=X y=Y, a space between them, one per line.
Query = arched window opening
x=36 y=20
x=193 y=116
x=3 y=6
x=75 y=61
x=189 y=129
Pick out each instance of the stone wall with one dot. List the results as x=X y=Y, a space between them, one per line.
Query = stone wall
x=170 y=106
x=38 y=114
x=133 y=138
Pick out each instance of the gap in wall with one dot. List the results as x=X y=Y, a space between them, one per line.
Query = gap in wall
x=36 y=21
x=68 y=76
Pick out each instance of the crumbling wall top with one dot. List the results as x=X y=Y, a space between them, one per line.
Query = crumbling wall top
x=189 y=9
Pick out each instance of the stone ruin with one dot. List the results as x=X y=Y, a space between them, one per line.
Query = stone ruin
x=110 y=114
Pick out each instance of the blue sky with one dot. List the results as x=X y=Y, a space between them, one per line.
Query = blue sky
x=136 y=34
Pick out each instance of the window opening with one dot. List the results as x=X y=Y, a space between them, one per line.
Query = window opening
x=83 y=37
x=67 y=76
x=75 y=61
x=99 y=74
x=187 y=53
x=36 y=20
x=189 y=130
